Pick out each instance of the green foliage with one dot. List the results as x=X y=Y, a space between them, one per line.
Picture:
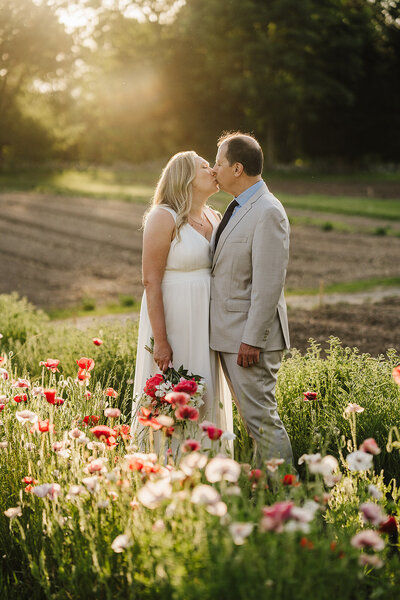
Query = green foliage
x=343 y=377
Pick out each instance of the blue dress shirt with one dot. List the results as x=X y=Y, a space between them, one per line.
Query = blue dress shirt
x=247 y=194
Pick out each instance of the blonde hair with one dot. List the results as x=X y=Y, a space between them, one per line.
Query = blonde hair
x=174 y=188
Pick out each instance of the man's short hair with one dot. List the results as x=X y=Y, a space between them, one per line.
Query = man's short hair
x=241 y=149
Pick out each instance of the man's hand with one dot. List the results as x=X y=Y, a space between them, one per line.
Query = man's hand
x=248 y=355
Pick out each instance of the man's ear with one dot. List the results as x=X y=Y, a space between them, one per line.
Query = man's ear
x=238 y=169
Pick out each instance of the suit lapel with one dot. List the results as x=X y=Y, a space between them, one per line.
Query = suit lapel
x=235 y=219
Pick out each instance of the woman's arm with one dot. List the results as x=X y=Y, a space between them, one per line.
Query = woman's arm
x=158 y=234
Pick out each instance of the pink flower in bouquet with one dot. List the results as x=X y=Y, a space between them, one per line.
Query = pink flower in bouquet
x=368 y=539
x=396 y=374
x=112 y=413
x=369 y=445
x=310 y=396
x=97 y=341
x=187 y=412
x=51 y=364
x=86 y=364
x=190 y=446
x=186 y=385
x=177 y=398
x=21 y=398
x=151 y=385
x=146 y=418
x=111 y=393
x=213 y=432
x=103 y=431
x=275 y=516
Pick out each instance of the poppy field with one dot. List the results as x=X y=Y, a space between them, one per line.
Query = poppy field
x=85 y=512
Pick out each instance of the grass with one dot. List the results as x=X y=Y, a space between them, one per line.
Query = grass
x=348 y=287
x=341 y=227
x=372 y=208
x=82 y=310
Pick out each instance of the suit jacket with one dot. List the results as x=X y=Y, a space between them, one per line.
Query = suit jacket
x=247 y=277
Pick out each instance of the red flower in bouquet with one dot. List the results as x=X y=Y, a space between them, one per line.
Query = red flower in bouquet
x=213 y=432
x=147 y=419
x=103 y=431
x=151 y=385
x=21 y=398
x=177 y=398
x=189 y=386
x=86 y=364
x=187 y=412
x=51 y=364
x=190 y=446
x=91 y=420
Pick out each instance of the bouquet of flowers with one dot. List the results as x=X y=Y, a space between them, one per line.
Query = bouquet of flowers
x=171 y=398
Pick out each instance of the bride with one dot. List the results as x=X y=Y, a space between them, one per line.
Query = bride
x=178 y=235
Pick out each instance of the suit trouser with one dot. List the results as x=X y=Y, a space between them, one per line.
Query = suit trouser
x=253 y=390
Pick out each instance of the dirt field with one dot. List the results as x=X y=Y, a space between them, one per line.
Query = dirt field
x=59 y=250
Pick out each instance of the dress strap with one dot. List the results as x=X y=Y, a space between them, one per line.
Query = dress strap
x=169 y=209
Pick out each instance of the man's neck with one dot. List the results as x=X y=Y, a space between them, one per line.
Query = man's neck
x=242 y=186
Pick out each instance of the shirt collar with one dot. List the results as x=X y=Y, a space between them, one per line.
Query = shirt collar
x=247 y=194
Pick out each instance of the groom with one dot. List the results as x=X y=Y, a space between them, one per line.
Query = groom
x=248 y=319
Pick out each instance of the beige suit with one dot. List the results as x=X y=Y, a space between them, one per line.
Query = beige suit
x=248 y=305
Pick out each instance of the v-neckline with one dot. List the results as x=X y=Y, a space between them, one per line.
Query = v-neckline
x=201 y=235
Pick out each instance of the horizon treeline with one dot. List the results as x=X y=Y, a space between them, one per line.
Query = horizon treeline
x=314 y=80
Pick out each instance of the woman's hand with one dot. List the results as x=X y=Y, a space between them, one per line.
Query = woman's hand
x=162 y=354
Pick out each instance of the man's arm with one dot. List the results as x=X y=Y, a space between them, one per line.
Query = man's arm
x=270 y=256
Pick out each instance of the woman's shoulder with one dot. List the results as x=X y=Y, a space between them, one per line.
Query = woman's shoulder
x=160 y=219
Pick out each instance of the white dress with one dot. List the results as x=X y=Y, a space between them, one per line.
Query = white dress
x=186 y=298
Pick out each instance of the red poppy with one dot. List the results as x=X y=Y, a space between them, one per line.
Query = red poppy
x=111 y=393
x=42 y=426
x=190 y=446
x=2 y=406
x=91 y=420
x=213 y=432
x=290 y=479
x=123 y=431
x=255 y=475
x=136 y=464
x=388 y=526
x=21 y=398
x=83 y=375
x=97 y=341
x=187 y=412
x=189 y=386
x=146 y=417
x=87 y=364
x=50 y=396
x=51 y=364
x=103 y=431
x=29 y=480
x=305 y=543
x=2 y=360
x=151 y=385
x=396 y=374
x=309 y=396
